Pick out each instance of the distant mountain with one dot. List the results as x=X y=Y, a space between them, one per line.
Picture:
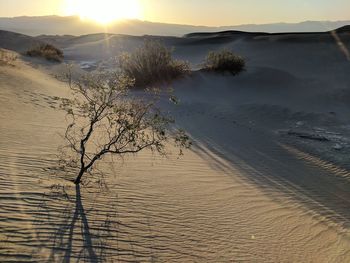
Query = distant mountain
x=72 y=25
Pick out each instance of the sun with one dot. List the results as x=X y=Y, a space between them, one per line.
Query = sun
x=104 y=11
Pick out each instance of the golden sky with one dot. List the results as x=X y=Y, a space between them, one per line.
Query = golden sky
x=195 y=12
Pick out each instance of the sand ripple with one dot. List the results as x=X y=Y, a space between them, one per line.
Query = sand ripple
x=199 y=208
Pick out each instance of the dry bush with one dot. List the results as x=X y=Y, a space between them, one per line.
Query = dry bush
x=46 y=51
x=106 y=119
x=224 y=61
x=152 y=63
x=6 y=57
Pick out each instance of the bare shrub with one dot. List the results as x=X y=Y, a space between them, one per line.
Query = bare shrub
x=106 y=119
x=7 y=57
x=152 y=63
x=224 y=61
x=46 y=51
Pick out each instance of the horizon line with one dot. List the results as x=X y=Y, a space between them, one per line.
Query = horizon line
x=179 y=24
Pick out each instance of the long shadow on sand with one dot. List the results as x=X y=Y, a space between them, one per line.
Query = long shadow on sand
x=72 y=236
x=79 y=214
x=264 y=160
x=66 y=232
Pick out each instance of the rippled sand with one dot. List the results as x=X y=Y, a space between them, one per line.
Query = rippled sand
x=198 y=208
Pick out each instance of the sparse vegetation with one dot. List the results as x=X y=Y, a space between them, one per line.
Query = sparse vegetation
x=224 y=61
x=46 y=51
x=152 y=63
x=107 y=120
x=7 y=57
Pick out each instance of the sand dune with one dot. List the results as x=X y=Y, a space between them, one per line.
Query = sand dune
x=246 y=192
x=309 y=55
x=16 y=42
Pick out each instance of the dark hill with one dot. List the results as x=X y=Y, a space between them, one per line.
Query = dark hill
x=17 y=42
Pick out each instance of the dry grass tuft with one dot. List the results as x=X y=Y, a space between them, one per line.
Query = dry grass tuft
x=46 y=51
x=152 y=63
x=7 y=57
x=224 y=61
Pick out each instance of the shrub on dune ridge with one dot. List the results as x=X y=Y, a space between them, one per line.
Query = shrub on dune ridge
x=46 y=51
x=6 y=57
x=152 y=63
x=224 y=61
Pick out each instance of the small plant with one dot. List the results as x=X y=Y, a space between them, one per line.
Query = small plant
x=106 y=119
x=6 y=57
x=46 y=51
x=152 y=63
x=224 y=61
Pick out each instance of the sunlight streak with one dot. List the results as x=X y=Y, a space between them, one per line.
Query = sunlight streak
x=104 y=11
x=341 y=45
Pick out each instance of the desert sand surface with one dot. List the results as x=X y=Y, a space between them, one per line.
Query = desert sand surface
x=259 y=184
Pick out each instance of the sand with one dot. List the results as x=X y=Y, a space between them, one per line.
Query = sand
x=244 y=193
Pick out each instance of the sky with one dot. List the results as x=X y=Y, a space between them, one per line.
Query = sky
x=203 y=12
